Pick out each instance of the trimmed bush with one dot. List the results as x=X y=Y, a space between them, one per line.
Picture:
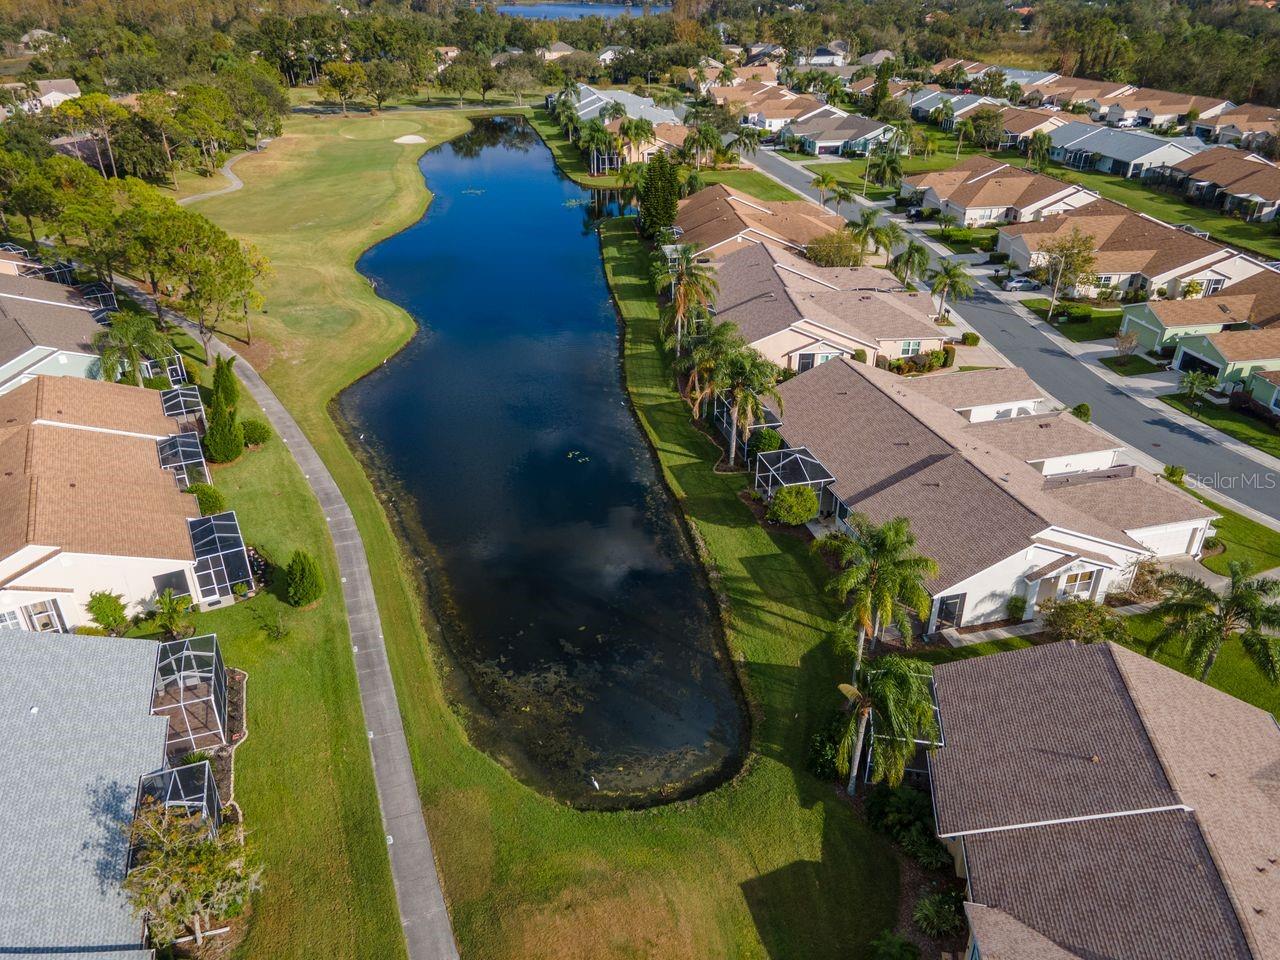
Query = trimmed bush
x=209 y=498
x=303 y=583
x=106 y=609
x=763 y=441
x=1175 y=474
x=860 y=356
x=191 y=369
x=88 y=630
x=823 y=747
x=793 y=506
x=890 y=946
x=1082 y=411
x=226 y=388
x=939 y=914
x=224 y=440
x=1016 y=607
x=157 y=383
x=256 y=432
x=948 y=355
x=970 y=339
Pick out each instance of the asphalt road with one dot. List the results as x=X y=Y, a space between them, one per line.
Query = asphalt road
x=1208 y=463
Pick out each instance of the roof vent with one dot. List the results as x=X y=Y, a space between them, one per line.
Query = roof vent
x=1095 y=759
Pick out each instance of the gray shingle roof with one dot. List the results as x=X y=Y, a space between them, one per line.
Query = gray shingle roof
x=591 y=101
x=1123 y=145
x=77 y=735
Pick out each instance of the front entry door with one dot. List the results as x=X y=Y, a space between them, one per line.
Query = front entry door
x=950 y=611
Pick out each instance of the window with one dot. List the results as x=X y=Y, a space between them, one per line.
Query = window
x=9 y=620
x=1105 y=281
x=1213 y=286
x=1078 y=584
x=45 y=617
x=910 y=348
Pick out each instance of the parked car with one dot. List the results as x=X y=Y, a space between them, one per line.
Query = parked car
x=1020 y=283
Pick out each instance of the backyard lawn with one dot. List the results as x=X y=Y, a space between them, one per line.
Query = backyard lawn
x=1131 y=365
x=1238 y=426
x=1261 y=237
x=966 y=239
x=749 y=181
x=1084 y=323
x=771 y=866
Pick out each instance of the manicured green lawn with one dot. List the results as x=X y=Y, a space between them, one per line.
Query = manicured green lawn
x=966 y=239
x=851 y=171
x=568 y=157
x=1246 y=541
x=1262 y=237
x=1131 y=365
x=772 y=865
x=1103 y=323
x=1238 y=426
x=750 y=181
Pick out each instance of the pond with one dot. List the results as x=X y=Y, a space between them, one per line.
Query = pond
x=583 y=646
x=572 y=11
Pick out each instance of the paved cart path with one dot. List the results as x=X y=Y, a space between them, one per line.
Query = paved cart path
x=423 y=913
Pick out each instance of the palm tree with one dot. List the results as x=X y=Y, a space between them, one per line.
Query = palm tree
x=942 y=113
x=693 y=289
x=864 y=231
x=1202 y=620
x=632 y=175
x=1195 y=384
x=840 y=195
x=913 y=261
x=949 y=278
x=745 y=378
x=885 y=167
x=945 y=222
x=171 y=614
x=748 y=138
x=824 y=183
x=635 y=130
x=963 y=129
x=710 y=349
x=131 y=338
x=667 y=98
x=706 y=139
x=881 y=578
x=1038 y=150
x=613 y=110
x=929 y=143
x=893 y=694
x=595 y=141
x=887 y=236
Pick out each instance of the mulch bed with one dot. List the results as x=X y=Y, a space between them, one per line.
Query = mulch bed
x=759 y=509
x=223 y=757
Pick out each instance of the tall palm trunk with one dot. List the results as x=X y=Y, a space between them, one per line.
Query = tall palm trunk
x=857 y=754
x=733 y=433
x=857 y=658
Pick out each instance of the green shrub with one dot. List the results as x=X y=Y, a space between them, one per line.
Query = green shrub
x=793 y=506
x=763 y=441
x=88 y=630
x=860 y=356
x=949 y=355
x=970 y=339
x=1175 y=474
x=1082 y=411
x=191 y=369
x=939 y=914
x=1016 y=608
x=226 y=388
x=209 y=498
x=1211 y=543
x=303 y=583
x=823 y=747
x=224 y=439
x=194 y=757
x=922 y=846
x=256 y=432
x=157 y=383
x=107 y=610
x=895 y=810
x=890 y=946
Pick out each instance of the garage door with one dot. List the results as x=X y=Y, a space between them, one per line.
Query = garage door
x=1190 y=362
x=1170 y=542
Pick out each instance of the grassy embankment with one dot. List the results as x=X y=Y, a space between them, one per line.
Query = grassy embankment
x=772 y=865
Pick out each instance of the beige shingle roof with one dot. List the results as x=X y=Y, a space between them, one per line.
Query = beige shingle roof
x=90 y=403
x=1236 y=171
x=1241 y=346
x=980 y=181
x=1226 y=307
x=1039 y=437
x=964 y=389
x=1128 y=497
x=717 y=214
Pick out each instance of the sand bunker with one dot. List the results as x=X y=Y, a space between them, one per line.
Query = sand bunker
x=410 y=138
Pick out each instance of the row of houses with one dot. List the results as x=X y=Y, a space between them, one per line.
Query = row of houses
x=1011 y=495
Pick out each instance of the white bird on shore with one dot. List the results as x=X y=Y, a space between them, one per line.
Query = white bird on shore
x=594 y=784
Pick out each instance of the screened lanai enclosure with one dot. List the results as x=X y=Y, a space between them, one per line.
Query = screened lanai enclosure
x=183 y=404
x=222 y=562
x=794 y=467
x=721 y=413
x=188 y=790
x=182 y=455
x=190 y=691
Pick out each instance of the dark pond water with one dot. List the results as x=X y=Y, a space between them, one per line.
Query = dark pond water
x=572 y=11
x=579 y=626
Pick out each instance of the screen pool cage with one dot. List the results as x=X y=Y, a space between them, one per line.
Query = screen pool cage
x=917 y=767
x=183 y=404
x=190 y=691
x=100 y=295
x=222 y=562
x=791 y=467
x=169 y=366
x=181 y=454
x=189 y=790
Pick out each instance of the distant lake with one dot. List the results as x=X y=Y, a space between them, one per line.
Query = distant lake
x=572 y=11
x=584 y=642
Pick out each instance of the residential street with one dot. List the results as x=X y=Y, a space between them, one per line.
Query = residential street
x=1210 y=461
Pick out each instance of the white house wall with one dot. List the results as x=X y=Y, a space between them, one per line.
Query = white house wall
x=1173 y=539
x=1076 y=463
x=72 y=577
x=1004 y=411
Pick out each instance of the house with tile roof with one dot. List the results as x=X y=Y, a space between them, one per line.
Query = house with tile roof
x=1250 y=125
x=981 y=190
x=1020 y=124
x=1025 y=506
x=1126 y=153
x=1237 y=182
x=719 y=220
x=972 y=69
x=1133 y=252
x=798 y=315
x=90 y=726
x=667 y=138
x=1101 y=804
x=92 y=481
